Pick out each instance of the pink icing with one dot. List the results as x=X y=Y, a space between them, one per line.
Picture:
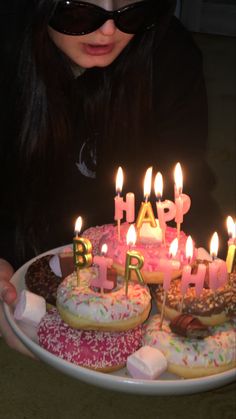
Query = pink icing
x=152 y=252
x=91 y=349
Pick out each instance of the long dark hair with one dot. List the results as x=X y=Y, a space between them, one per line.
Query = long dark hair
x=47 y=85
x=51 y=104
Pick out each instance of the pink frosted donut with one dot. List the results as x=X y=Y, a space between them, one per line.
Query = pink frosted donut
x=152 y=251
x=97 y=350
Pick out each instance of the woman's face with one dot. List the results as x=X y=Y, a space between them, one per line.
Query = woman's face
x=99 y=48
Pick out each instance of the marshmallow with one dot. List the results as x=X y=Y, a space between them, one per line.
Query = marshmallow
x=202 y=254
x=55 y=265
x=30 y=308
x=149 y=234
x=147 y=363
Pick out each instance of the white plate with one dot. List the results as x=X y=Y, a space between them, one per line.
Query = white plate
x=120 y=381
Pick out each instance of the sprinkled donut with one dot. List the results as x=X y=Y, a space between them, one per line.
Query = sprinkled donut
x=83 y=308
x=97 y=350
x=152 y=251
x=41 y=280
x=211 y=307
x=193 y=358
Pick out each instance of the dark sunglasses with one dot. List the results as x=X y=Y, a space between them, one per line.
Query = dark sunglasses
x=73 y=17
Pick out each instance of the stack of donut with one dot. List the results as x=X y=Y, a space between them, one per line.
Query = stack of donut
x=102 y=330
x=94 y=329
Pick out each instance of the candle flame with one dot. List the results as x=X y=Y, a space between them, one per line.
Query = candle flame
x=148 y=183
x=189 y=248
x=178 y=176
x=131 y=236
x=173 y=247
x=214 y=245
x=78 y=225
x=231 y=227
x=119 y=180
x=158 y=185
x=104 y=249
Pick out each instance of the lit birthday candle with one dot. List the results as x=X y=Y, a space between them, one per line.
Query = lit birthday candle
x=104 y=264
x=218 y=274
x=146 y=214
x=182 y=201
x=189 y=278
x=166 y=210
x=231 y=254
x=131 y=256
x=82 y=249
x=120 y=205
x=166 y=266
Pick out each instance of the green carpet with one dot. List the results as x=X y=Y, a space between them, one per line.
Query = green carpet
x=32 y=390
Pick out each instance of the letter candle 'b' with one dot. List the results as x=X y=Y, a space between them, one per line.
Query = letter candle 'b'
x=130 y=256
x=82 y=249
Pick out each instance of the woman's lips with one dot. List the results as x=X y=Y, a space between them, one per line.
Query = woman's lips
x=98 y=49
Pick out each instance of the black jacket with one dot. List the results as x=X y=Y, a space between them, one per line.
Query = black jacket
x=176 y=131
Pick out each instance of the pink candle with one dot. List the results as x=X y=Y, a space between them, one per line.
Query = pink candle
x=127 y=206
x=103 y=264
x=120 y=204
x=182 y=201
x=166 y=266
x=218 y=273
x=162 y=206
x=187 y=276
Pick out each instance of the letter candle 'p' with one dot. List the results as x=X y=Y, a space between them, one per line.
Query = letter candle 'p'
x=182 y=201
x=132 y=255
x=82 y=250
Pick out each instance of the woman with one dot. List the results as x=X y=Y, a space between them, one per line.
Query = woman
x=99 y=84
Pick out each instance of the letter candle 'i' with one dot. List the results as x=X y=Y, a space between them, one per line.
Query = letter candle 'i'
x=82 y=249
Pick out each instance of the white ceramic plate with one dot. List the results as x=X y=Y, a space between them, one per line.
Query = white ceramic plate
x=120 y=381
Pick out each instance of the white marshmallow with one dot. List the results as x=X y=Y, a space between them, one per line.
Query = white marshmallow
x=55 y=265
x=202 y=254
x=30 y=308
x=147 y=363
x=149 y=234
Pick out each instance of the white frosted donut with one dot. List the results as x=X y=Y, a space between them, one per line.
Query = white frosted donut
x=192 y=358
x=151 y=251
x=83 y=308
x=97 y=350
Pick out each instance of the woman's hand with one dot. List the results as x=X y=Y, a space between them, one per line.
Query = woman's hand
x=8 y=294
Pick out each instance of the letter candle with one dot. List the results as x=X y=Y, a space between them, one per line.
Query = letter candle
x=146 y=214
x=82 y=249
x=166 y=266
x=120 y=205
x=162 y=206
x=130 y=255
x=182 y=201
x=104 y=263
x=187 y=276
x=231 y=254
x=218 y=274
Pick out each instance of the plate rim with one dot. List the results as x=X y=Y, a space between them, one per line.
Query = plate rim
x=109 y=381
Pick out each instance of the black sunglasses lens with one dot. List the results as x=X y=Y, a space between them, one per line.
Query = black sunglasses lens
x=75 y=19
x=137 y=18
